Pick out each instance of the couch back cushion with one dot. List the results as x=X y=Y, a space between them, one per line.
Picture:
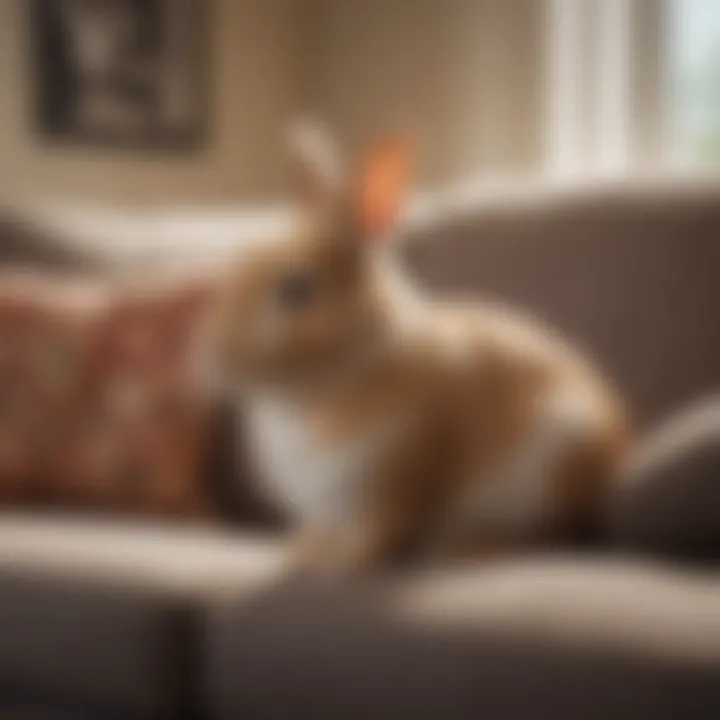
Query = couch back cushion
x=98 y=404
x=25 y=243
x=630 y=273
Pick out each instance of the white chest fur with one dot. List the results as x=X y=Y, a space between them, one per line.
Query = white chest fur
x=311 y=477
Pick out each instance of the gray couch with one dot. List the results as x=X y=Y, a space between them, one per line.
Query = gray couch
x=134 y=620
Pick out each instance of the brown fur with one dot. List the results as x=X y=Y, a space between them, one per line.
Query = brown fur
x=466 y=378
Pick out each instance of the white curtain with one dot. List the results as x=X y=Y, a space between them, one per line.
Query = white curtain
x=605 y=86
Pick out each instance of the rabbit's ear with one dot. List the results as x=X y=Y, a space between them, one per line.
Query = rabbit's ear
x=382 y=182
x=316 y=161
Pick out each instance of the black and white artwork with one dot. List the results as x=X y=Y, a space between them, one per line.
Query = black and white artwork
x=122 y=72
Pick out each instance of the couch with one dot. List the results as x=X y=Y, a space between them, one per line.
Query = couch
x=131 y=619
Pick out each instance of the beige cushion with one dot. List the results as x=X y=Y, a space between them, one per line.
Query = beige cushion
x=604 y=604
x=189 y=559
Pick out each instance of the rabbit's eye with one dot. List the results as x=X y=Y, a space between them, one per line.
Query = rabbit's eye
x=296 y=290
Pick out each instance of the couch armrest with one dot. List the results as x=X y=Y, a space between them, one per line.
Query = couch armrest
x=111 y=615
x=668 y=502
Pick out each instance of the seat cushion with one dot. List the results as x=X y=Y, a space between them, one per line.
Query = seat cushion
x=669 y=499
x=543 y=638
x=110 y=614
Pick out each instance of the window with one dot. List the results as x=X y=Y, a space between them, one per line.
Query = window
x=694 y=94
x=632 y=85
x=589 y=85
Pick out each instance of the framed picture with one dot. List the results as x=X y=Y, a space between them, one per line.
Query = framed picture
x=120 y=72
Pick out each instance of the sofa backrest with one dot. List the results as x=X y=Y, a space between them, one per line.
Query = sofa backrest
x=632 y=273
x=23 y=244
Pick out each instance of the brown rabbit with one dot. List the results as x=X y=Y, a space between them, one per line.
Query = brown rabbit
x=384 y=423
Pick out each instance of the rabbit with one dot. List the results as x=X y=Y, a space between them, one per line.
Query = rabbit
x=388 y=426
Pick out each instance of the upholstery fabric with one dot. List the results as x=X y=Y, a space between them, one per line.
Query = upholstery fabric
x=542 y=638
x=628 y=272
x=669 y=499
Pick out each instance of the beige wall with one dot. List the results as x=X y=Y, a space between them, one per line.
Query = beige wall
x=252 y=96
x=461 y=75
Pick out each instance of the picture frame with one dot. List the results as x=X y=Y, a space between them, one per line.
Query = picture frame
x=125 y=73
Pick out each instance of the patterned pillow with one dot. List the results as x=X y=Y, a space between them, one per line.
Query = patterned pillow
x=101 y=407
x=21 y=326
